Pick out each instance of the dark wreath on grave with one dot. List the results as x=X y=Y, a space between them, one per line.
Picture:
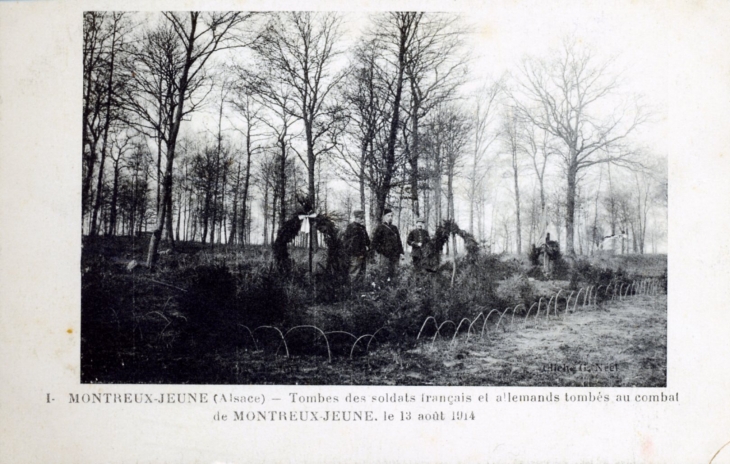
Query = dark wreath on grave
x=441 y=236
x=288 y=232
x=551 y=248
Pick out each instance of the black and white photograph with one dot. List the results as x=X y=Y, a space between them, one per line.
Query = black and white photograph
x=382 y=198
x=371 y=231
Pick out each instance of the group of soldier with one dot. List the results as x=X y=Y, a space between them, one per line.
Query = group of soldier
x=386 y=248
x=386 y=244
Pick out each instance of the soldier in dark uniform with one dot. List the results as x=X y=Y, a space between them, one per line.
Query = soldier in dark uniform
x=386 y=241
x=417 y=240
x=357 y=244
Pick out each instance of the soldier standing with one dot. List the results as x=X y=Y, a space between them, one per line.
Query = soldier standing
x=417 y=239
x=357 y=244
x=386 y=241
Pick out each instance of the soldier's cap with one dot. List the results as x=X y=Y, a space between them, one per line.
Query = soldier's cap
x=387 y=211
x=358 y=214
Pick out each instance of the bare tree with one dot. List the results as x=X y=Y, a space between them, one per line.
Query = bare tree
x=198 y=35
x=122 y=143
x=573 y=97
x=153 y=72
x=103 y=87
x=224 y=159
x=536 y=144
x=204 y=171
x=510 y=135
x=133 y=179
x=396 y=32
x=435 y=67
x=447 y=137
x=556 y=210
x=484 y=135
x=279 y=120
x=95 y=37
x=375 y=92
x=366 y=96
x=250 y=113
x=298 y=50
x=648 y=182
x=265 y=178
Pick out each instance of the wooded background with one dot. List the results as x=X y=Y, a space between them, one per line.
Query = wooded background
x=216 y=126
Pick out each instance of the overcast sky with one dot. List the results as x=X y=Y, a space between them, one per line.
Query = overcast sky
x=503 y=35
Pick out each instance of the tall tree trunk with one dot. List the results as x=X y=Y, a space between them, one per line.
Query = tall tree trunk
x=361 y=173
x=107 y=123
x=438 y=190
x=171 y=145
x=115 y=190
x=594 y=238
x=234 y=234
x=206 y=214
x=382 y=194
x=162 y=215
x=473 y=184
x=518 y=230
x=224 y=184
x=179 y=215
x=88 y=176
x=246 y=180
x=282 y=187
x=570 y=212
x=91 y=46
x=159 y=168
x=168 y=222
x=273 y=218
x=194 y=222
x=266 y=213
x=214 y=203
x=99 y=190
x=311 y=184
x=451 y=207
x=413 y=159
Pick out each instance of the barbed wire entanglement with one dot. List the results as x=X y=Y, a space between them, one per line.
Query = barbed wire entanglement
x=643 y=287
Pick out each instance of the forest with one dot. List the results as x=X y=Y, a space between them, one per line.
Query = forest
x=209 y=127
x=212 y=140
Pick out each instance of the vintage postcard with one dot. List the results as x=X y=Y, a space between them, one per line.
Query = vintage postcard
x=364 y=232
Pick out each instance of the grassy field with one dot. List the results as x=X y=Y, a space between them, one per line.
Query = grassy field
x=226 y=317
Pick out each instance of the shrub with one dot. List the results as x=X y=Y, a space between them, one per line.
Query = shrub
x=561 y=269
x=516 y=289
x=534 y=255
x=209 y=304
x=217 y=304
x=270 y=300
x=107 y=319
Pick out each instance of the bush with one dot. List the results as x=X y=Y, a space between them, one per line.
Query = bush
x=561 y=269
x=217 y=304
x=534 y=255
x=516 y=289
x=209 y=305
x=107 y=319
x=270 y=301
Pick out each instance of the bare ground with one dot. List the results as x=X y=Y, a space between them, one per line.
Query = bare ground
x=617 y=344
